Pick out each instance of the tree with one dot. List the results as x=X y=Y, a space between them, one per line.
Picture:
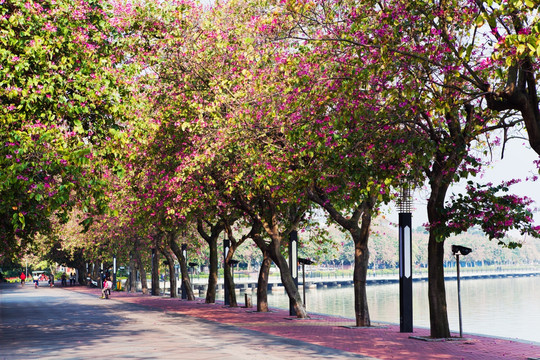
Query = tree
x=421 y=64
x=62 y=92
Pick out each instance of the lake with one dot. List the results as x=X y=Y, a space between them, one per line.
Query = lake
x=504 y=307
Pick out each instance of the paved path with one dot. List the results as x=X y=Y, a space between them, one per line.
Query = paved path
x=73 y=323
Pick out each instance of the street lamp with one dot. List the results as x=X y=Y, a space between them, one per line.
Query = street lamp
x=293 y=264
x=192 y=266
x=459 y=250
x=165 y=263
x=226 y=248
x=231 y=264
x=405 y=261
x=183 y=284
x=304 y=262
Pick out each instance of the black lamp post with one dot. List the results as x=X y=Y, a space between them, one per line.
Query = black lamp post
x=114 y=272
x=232 y=263
x=293 y=264
x=405 y=261
x=304 y=262
x=226 y=248
x=166 y=264
x=460 y=250
x=183 y=286
x=192 y=266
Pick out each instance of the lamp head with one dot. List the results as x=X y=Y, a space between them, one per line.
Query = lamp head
x=305 y=261
x=461 y=250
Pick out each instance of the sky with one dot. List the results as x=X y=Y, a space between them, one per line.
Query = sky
x=516 y=164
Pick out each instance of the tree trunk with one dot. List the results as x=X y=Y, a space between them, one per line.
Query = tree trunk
x=288 y=282
x=211 y=239
x=95 y=273
x=262 y=282
x=229 y=281
x=172 y=273
x=155 y=273
x=361 y=261
x=132 y=279
x=264 y=271
x=81 y=271
x=438 y=316
x=183 y=269
x=358 y=226
x=142 y=272
x=213 y=272
x=185 y=279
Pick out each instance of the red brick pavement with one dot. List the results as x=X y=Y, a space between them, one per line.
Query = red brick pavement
x=382 y=342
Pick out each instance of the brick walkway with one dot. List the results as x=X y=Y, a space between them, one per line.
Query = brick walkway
x=381 y=342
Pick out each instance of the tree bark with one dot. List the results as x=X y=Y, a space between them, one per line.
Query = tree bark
x=81 y=271
x=172 y=273
x=155 y=273
x=183 y=269
x=264 y=271
x=213 y=272
x=361 y=261
x=132 y=280
x=142 y=272
x=262 y=282
x=229 y=280
x=438 y=316
x=211 y=240
x=228 y=268
x=266 y=214
x=288 y=281
x=358 y=226
x=521 y=97
x=439 y=181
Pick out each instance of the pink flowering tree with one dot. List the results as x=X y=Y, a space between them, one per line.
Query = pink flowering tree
x=492 y=209
x=62 y=91
x=431 y=68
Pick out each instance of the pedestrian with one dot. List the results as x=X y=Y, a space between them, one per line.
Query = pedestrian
x=23 y=277
x=51 y=280
x=107 y=286
x=36 y=280
x=64 y=281
x=72 y=279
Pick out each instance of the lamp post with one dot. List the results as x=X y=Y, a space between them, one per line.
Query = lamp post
x=232 y=263
x=192 y=266
x=405 y=261
x=114 y=272
x=226 y=247
x=304 y=262
x=183 y=286
x=457 y=250
x=293 y=264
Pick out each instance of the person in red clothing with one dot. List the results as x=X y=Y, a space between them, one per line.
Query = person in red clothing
x=107 y=287
x=23 y=277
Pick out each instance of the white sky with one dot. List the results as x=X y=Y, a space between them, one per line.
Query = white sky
x=516 y=164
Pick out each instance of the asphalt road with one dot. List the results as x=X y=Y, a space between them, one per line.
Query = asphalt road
x=52 y=323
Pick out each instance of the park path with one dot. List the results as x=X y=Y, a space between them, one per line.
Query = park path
x=56 y=323
x=154 y=327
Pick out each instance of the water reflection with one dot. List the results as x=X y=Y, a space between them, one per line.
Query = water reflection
x=508 y=307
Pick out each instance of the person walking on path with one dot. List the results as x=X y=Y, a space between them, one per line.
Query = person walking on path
x=23 y=277
x=107 y=286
